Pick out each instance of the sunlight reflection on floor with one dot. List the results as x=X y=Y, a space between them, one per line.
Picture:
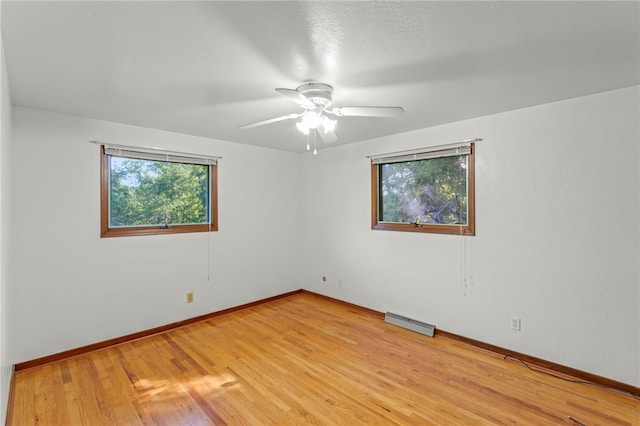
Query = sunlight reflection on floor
x=151 y=389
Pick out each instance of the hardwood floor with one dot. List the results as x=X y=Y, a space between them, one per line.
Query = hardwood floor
x=304 y=360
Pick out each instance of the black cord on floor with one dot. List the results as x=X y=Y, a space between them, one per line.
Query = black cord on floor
x=566 y=379
x=576 y=422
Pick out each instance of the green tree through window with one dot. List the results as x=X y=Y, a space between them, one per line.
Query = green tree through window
x=143 y=196
x=427 y=192
x=147 y=192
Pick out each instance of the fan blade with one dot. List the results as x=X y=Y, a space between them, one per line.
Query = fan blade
x=328 y=137
x=367 y=111
x=269 y=121
x=297 y=97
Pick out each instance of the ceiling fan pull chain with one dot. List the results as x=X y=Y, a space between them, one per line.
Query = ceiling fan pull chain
x=315 y=142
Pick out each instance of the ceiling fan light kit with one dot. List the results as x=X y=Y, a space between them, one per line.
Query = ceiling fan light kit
x=313 y=119
x=316 y=99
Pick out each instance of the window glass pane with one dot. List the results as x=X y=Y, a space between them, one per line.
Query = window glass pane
x=155 y=193
x=432 y=191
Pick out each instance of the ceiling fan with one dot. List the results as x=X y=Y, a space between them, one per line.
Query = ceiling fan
x=316 y=100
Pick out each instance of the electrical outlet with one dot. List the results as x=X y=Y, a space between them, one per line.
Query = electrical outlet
x=515 y=323
x=190 y=297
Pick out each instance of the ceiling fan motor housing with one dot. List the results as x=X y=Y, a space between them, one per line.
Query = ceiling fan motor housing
x=318 y=93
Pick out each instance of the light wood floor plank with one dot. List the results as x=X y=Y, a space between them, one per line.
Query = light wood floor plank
x=304 y=360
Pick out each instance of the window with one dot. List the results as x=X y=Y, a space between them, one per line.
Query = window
x=424 y=191
x=149 y=192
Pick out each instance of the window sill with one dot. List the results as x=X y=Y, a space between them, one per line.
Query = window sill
x=425 y=228
x=156 y=230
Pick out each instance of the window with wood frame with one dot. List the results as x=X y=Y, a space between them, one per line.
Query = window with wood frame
x=148 y=192
x=430 y=190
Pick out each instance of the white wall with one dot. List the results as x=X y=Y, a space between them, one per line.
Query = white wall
x=557 y=244
x=558 y=230
x=71 y=288
x=5 y=136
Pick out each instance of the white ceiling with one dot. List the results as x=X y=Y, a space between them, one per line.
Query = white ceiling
x=205 y=68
